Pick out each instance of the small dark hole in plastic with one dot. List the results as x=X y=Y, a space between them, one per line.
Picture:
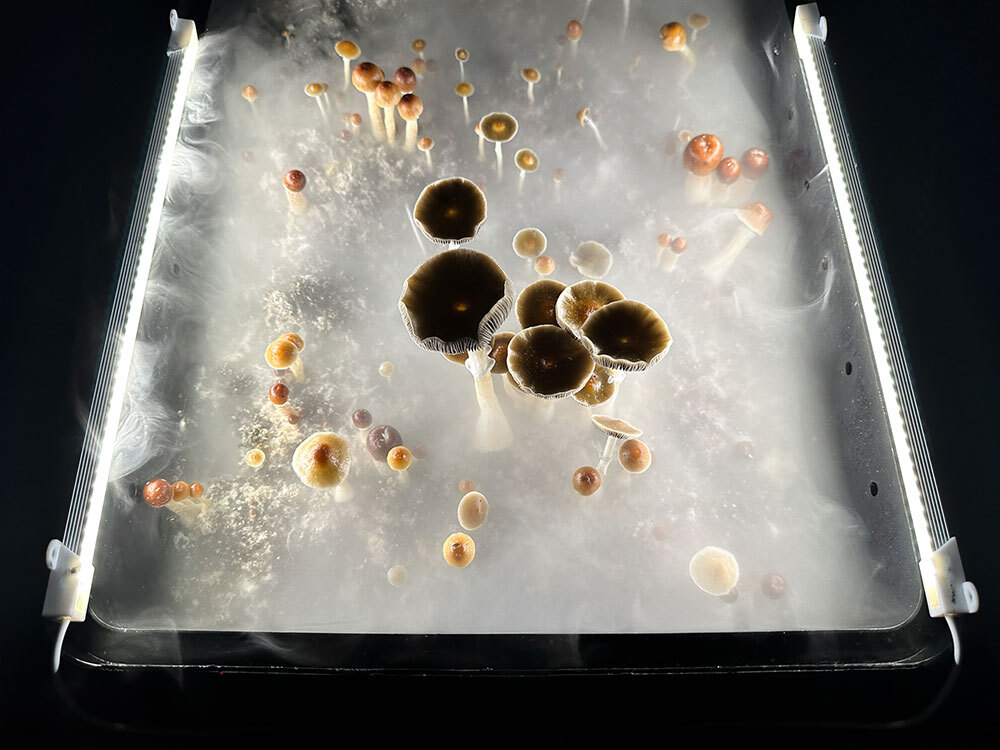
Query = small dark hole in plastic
x=873 y=488
x=807 y=184
x=825 y=263
x=133 y=489
x=791 y=113
x=177 y=269
x=848 y=368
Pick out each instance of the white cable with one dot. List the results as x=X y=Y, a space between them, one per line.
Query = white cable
x=950 y=619
x=57 y=653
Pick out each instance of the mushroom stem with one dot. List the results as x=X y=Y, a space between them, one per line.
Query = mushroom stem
x=343 y=492
x=492 y=431
x=721 y=264
x=298 y=369
x=430 y=164
x=411 y=136
x=373 y=117
x=296 y=201
x=461 y=69
x=482 y=149
x=499 y=152
x=531 y=91
x=586 y=10
x=572 y=48
x=608 y=455
x=520 y=182
x=322 y=109
x=403 y=476
x=465 y=107
x=669 y=259
x=390 y=125
x=625 y=10
x=413 y=223
x=600 y=141
x=698 y=189
x=347 y=74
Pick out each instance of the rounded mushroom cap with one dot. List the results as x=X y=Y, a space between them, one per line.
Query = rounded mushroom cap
x=461 y=54
x=755 y=163
x=387 y=94
x=458 y=550
x=498 y=352
x=361 y=418
x=547 y=362
x=418 y=45
x=451 y=210
x=356 y=119
x=347 y=49
x=498 y=127
x=663 y=240
x=472 y=510
x=249 y=93
x=586 y=480
x=702 y=154
x=581 y=300
x=406 y=79
x=526 y=160
x=714 y=570
x=399 y=458
x=729 y=170
x=281 y=353
x=536 y=304
x=599 y=388
x=582 y=116
x=197 y=490
x=698 y=21
x=366 y=77
x=316 y=89
x=465 y=89
x=544 y=265
x=278 y=394
x=574 y=30
x=615 y=427
x=382 y=439
x=634 y=456
x=182 y=490
x=322 y=460
x=530 y=75
x=756 y=217
x=626 y=335
x=418 y=66
x=592 y=259
x=674 y=37
x=455 y=301
x=425 y=144
x=254 y=457
x=679 y=245
x=529 y=242
x=294 y=180
x=410 y=107
x=158 y=492
x=296 y=339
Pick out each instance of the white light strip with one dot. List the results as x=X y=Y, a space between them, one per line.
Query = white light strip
x=806 y=17
x=119 y=383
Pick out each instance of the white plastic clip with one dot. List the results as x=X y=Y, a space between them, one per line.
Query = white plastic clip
x=947 y=591
x=69 y=584
x=812 y=23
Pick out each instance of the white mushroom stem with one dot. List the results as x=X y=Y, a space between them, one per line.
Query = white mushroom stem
x=403 y=477
x=347 y=74
x=592 y=125
x=720 y=265
x=413 y=223
x=411 y=135
x=669 y=259
x=520 y=398
x=322 y=109
x=608 y=455
x=461 y=70
x=465 y=107
x=625 y=10
x=492 y=431
x=558 y=75
x=572 y=48
x=390 y=125
x=482 y=149
x=343 y=492
x=373 y=117
x=556 y=189
x=430 y=164
x=520 y=181
x=531 y=91
x=698 y=189
x=499 y=152
x=296 y=201
x=586 y=10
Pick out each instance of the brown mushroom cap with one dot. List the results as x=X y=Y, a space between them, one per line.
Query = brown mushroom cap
x=498 y=127
x=410 y=107
x=615 y=427
x=465 y=89
x=366 y=77
x=526 y=160
x=679 y=245
x=249 y=92
x=458 y=550
x=322 y=460
x=674 y=37
x=281 y=353
x=425 y=144
x=634 y=456
x=702 y=154
x=755 y=163
x=529 y=243
x=418 y=66
x=530 y=75
x=756 y=217
x=598 y=389
x=574 y=30
x=582 y=116
x=581 y=300
x=461 y=54
x=498 y=351
x=347 y=49
x=591 y=259
x=381 y=439
x=547 y=362
x=586 y=480
x=406 y=79
x=418 y=45
x=536 y=304
x=387 y=94
x=294 y=181
x=626 y=335
x=158 y=492
x=316 y=89
x=729 y=170
x=451 y=210
x=455 y=301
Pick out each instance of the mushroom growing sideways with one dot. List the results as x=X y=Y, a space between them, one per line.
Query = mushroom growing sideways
x=498 y=128
x=616 y=430
x=754 y=221
x=454 y=302
x=322 y=461
x=592 y=259
x=626 y=336
x=578 y=302
x=583 y=117
x=536 y=304
x=450 y=211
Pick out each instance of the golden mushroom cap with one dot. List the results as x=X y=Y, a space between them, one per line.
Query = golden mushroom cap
x=673 y=36
x=498 y=127
x=465 y=89
x=599 y=388
x=458 y=550
x=322 y=460
x=281 y=353
x=418 y=45
x=316 y=88
x=756 y=217
x=547 y=362
x=530 y=75
x=581 y=116
x=626 y=336
x=461 y=54
x=634 y=456
x=249 y=93
x=296 y=339
x=425 y=144
x=536 y=304
x=578 y=302
x=347 y=49
x=399 y=458
x=526 y=160
x=529 y=242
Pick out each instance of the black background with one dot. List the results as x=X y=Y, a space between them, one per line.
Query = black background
x=78 y=89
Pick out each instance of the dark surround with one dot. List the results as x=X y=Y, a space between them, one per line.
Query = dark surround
x=76 y=157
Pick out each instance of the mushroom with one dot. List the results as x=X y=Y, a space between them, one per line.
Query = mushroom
x=531 y=76
x=479 y=134
x=396 y=575
x=663 y=241
x=586 y=480
x=547 y=362
x=634 y=456
x=599 y=389
x=755 y=162
x=529 y=243
x=616 y=430
x=557 y=178
x=249 y=93
x=426 y=144
x=714 y=570
x=559 y=70
x=536 y=304
x=282 y=354
x=498 y=128
x=465 y=90
x=592 y=259
x=526 y=161
x=754 y=221
x=366 y=77
x=583 y=117
x=677 y=246
x=380 y=440
x=286 y=34
x=322 y=461
x=399 y=459
x=410 y=109
x=697 y=22
x=197 y=490
x=349 y=52
x=727 y=173
x=462 y=55
x=498 y=353
x=544 y=265
x=295 y=182
x=278 y=395
x=406 y=79
x=458 y=550
x=450 y=211
x=701 y=156
x=574 y=30
x=674 y=39
x=362 y=419
x=773 y=585
x=472 y=510
x=418 y=66
x=418 y=46
x=355 y=120
x=387 y=96
x=385 y=370
x=317 y=91
x=581 y=300
x=255 y=457
x=158 y=492
x=626 y=336
x=454 y=302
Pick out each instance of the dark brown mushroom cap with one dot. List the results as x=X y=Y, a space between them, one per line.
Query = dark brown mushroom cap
x=498 y=351
x=547 y=362
x=755 y=163
x=406 y=79
x=451 y=210
x=536 y=304
x=294 y=180
x=455 y=301
x=382 y=439
x=618 y=428
x=410 y=107
x=578 y=302
x=387 y=94
x=729 y=170
x=498 y=127
x=598 y=389
x=626 y=335
x=702 y=154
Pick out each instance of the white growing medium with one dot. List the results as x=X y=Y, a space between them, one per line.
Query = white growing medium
x=235 y=269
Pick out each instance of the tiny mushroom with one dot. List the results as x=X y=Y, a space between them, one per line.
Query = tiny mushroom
x=755 y=219
x=727 y=173
x=410 y=108
x=498 y=128
x=472 y=510
x=399 y=459
x=592 y=259
x=426 y=144
x=458 y=550
x=158 y=492
x=349 y=52
x=249 y=93
x=583 y=117
x=754 y=162
x=282 y=354
x=362 y=419
x=634 y=456
x=295 y=182
x=529 y=243
x=531 y=76
x=697 y=22
x=544 y=265
x=536 y=304
x=317 y=92
x=366 y=78
x=322 y=461
x=526 y=161
x=380 y=440
x=714 y=570
x=450 y=211
x=701 y=156
x=418 y=46
x=586 y=480
x=406 y=79
x=677 y=246
x=462 y=55
x=674 y=39
x=616 y=430
x=465 y=90
x=581 y=300
x=574 y=30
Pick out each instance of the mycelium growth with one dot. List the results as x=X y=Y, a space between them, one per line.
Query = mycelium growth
x=234 y=268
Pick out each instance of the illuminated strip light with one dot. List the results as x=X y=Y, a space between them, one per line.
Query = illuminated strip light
x=71 y=576
x=947 y=592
